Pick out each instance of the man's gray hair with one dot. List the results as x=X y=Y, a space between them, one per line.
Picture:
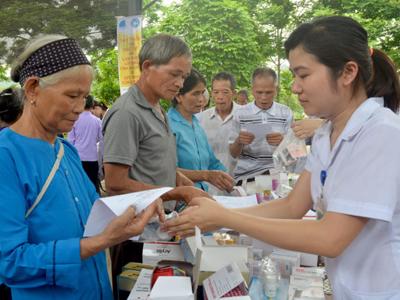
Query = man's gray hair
x=161 y=48
x=264 y=73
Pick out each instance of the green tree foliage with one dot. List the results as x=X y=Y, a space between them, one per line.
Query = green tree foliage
x=274 y=19
x=287 y=97
x=220 y=33
x=382 y=20
x=229 y=35
x=106 y=85
x=92 y=23
x=3 y=75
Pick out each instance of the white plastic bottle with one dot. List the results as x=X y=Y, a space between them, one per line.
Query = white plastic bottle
x=270 y=277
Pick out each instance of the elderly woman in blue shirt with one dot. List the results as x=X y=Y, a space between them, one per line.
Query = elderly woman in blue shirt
x=42 y=252
x=195 y=155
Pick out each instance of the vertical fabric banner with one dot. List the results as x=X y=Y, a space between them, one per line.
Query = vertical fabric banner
x=129 y=40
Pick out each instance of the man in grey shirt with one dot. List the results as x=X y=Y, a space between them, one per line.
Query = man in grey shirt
x=139 y=146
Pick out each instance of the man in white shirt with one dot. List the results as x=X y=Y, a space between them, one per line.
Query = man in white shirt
x=258 y=127
x=217 y=121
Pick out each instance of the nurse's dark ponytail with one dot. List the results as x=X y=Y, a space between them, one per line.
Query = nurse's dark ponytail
x=384 y=81
x=335 y=41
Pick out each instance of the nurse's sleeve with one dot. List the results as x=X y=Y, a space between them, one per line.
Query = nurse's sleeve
x=25 y=265
x=367 y=184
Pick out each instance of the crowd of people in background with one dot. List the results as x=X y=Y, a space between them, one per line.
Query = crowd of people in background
x=206 y=143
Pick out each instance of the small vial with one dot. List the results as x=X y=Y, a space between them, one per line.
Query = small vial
x=270 y=277
x=164 y=236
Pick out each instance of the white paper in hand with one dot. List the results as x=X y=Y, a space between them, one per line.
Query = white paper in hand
x=106 y=209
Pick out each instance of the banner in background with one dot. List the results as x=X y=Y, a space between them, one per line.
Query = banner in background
x=129 y=40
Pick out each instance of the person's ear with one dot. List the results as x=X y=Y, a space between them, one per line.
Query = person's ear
x=146 y=65
x=32 y=89
x=349 y=73
x=179 y=98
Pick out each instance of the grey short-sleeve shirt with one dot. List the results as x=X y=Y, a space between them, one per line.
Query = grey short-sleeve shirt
x=136 y=135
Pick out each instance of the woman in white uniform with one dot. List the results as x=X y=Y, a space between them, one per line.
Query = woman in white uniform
x=352 y=177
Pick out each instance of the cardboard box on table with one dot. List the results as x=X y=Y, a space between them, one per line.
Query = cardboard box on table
x=306 y=259
x=178 y=287
x=172 y=288
x=204 y=260
x=175 y=287
x=154 y=252
x=213 y=257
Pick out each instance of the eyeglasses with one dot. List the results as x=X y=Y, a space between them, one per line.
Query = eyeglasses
x=6 y=94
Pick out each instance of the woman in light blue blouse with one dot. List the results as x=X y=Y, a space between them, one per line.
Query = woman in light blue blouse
x=195 y=156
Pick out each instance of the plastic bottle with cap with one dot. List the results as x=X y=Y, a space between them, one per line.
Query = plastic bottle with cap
x=270 y=276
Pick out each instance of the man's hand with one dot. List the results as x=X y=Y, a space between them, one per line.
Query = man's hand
x=305 y=128
x=245 y=138
x=221 y=180
x=274 y=138
x=182 y=180
x=186 y=193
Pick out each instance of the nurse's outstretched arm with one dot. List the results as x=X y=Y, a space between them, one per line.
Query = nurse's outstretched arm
x=328 y=236
x=294 y=206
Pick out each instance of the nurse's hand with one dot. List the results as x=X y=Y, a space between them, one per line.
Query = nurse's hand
x=186 y=193
x=274 y=138
x=221 y=180
x=204 y=213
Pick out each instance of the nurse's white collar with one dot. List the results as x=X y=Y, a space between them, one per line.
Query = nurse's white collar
x=357 y=119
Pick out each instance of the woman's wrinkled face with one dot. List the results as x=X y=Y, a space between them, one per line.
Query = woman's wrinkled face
x=192 y=101
x=58 y=106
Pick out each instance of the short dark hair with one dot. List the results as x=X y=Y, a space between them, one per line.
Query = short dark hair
x=225 y=76
x=11 y=105
x=243 y=92
x=161 y=48
x=335 y=41
x=89 y=102
x=264 y=73
x=102 y=105
x=190 y=83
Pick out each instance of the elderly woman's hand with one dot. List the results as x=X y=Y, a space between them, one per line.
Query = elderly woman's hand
x=204 y=213
x=129 y=224
x=121 y=228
